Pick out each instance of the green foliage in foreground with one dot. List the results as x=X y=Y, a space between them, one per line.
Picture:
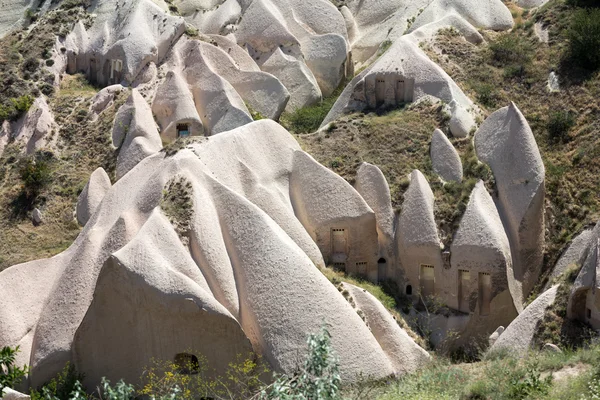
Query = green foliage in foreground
x=503 y=376
x=10 y=374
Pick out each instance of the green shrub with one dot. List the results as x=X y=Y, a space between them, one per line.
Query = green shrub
x=15 y=108
x=511 y=49
x=10 y=374
x=584 y=38
x=65 y=386
x=559 y=124
x=35 y=174
x=486 y=94
x=529 y=385
x=319 y=378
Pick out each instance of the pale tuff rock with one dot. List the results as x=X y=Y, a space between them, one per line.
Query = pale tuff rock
x=541 y=32
x=207 y=90
x=36 y=217
x=135 y=133
x=297 y=78
x=91 y=196
x=403 y=74
x=373 y=187
x=153 y=272
x=37 y=129
x=444 y=158
x=584 y=299
x=5 y=133
x=406 y=356
x=488 y=14
x=481 y=260
x=311 y=36
x=315 y=190
x=494 y=336
x=249 y=187
x=574 y=255
x=103 y=99
x=122 y=41
x=9 y=394
x=417 y=235
x=173 y=105
x=553 y=82
x=518 y=336
x=461 y=122
x=505 y=142
x=12 y=16
x=531 y=3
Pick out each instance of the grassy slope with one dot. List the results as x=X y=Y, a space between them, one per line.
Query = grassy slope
x=82 y=147
x=501 y=377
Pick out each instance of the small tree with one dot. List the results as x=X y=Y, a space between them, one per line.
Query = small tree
x=10 y=374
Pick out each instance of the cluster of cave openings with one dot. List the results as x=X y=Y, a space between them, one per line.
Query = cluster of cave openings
x=464 y=283
x=402 y=89
x=187 y=364
x=485 y=293
x=339 y=266
x=116 y=71
x=427 y=280
x=339 y=242
x=183 y=130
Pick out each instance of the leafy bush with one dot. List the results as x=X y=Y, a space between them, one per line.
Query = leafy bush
x=530 y=385
x=584 y=38
x=65 y=386
x=584 y=3
x=15 y=108
x=171 y=380
x=10 y=374
x=319 y=378
x=559 y=124
x=35 y=174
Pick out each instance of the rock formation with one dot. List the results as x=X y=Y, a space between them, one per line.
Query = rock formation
x=36 y=129
x=134 y=133
x=254 y=201
x=92 y=194
x=373 y=187
x=444 y=158
x=518 y=336
x=505 y=142
x=419 y=245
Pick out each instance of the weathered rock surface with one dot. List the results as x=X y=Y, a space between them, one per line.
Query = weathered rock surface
x=36 y=129
x=91 y=196
x=9 y=394
x=251 y=193
x=406 y=356
x=505 y=142
x=124 y=38
x=134 y=133
x=518 y=336
x=373 y=187
x=444 y=158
